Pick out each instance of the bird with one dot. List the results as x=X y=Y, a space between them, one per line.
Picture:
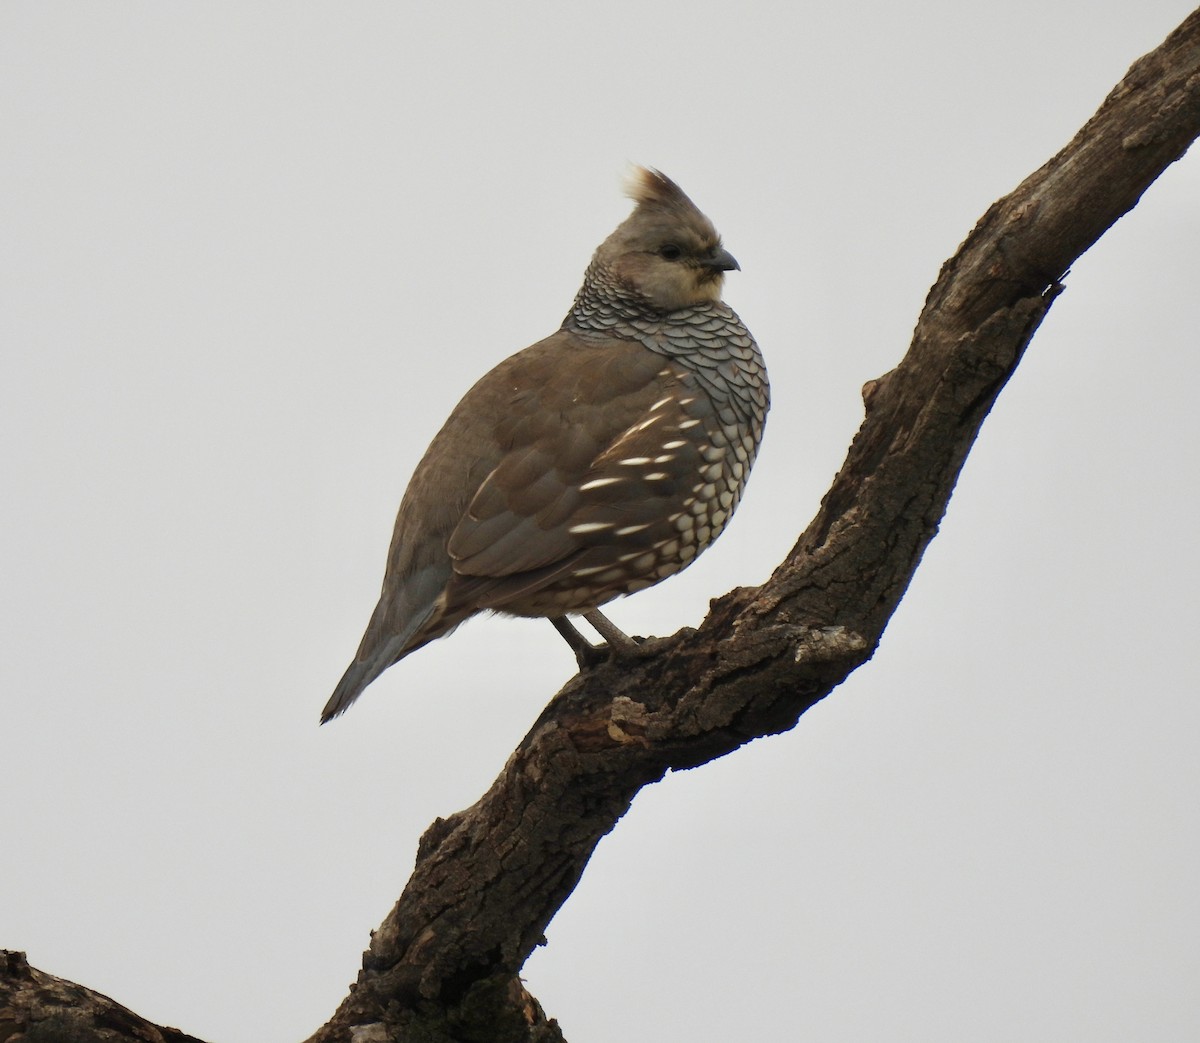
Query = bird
x=590 y=465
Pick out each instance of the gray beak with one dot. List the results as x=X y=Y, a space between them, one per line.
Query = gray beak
x=722 y=261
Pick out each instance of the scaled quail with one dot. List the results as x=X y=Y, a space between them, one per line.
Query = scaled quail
x=594 y=463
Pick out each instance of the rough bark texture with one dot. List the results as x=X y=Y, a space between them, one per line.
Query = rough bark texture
x=443 y=966
x=38 y=1008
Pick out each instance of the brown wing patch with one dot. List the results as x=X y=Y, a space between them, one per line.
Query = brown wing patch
x=561 y=420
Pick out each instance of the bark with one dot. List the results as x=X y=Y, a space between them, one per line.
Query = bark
x=38 y=1008
x=444 y=964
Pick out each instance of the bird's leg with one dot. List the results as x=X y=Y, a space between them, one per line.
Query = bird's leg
x=620 y=643
x=586 y=654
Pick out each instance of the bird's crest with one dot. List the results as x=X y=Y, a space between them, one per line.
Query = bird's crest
x=648 y=187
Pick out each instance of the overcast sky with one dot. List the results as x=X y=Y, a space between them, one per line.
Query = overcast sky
x=251 y=256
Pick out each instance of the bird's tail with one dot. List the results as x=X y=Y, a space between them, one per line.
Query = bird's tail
x=402 y=622
x=358 y=675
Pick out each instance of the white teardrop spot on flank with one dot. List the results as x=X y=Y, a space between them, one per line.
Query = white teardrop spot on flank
x=598 y=483
x=629 y=530
x=583 y=528
x=589 y=571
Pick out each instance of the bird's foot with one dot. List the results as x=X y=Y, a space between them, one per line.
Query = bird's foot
x=618 y=644
x=587 y=655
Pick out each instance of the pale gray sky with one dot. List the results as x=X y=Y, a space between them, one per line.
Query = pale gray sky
x=253 y=253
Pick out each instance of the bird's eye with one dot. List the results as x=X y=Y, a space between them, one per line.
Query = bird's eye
x=670 y=252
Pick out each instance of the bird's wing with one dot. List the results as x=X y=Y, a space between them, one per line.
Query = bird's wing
x=587 y=453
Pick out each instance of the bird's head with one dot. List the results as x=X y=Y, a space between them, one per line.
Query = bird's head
x=666 y=252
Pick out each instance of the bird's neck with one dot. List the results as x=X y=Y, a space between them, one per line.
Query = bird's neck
x=699 y=338
x=605 y=305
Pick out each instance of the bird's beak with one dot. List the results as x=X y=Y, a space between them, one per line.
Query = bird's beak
x=722 y=261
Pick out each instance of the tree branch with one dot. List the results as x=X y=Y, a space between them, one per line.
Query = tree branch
x=35 y=1006
x=489 y=879
x=444 y=963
